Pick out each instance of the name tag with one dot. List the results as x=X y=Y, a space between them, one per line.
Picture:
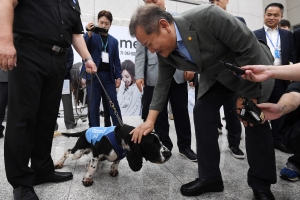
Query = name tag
x=277 y=53
x=105 y=57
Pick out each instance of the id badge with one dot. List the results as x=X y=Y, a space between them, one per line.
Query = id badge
x=277 y=53
x=105 y=57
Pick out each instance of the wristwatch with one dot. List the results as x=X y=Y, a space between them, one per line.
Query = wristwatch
x=85 y=60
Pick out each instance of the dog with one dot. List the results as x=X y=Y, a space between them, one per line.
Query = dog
x=150 y=148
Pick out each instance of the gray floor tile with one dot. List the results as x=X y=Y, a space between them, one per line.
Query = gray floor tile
x=153 y=181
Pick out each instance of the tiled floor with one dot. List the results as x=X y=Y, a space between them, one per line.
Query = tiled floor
x=152 y=181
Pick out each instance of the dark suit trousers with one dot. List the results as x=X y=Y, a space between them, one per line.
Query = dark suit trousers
x=3 y=103
x=233 y=124
x=278 y=90
x=68 y=111
x=295 y=159
x=97 y=93
x=259 y=145
x=34 y=90
x=178 y=96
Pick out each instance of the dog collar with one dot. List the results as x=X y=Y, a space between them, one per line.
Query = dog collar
x=118 y=149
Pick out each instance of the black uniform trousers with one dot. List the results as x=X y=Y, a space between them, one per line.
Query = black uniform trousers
x=178 y=96
x=34 y=89
x=279 y=89
x=259 y=144
x=3 y=103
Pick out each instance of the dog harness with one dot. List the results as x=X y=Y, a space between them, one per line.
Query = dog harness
x=94 y=134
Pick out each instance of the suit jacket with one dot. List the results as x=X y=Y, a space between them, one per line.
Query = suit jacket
x=94 y=46
x=3 y=76
x=297 y=43
x=241 y=19
x=288 y=52
x=211 y=35
x=152 y=65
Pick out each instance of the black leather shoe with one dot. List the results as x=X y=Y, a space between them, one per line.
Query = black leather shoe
x=282 y=148
x=189 y=154
x=55 y=177
x=200 y=186
x=263 y=195
x=24 y=193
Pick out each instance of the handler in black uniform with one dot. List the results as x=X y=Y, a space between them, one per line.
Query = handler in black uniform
x=35 y=35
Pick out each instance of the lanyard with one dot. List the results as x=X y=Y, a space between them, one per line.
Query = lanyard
x=271 y=40
x=104 y=46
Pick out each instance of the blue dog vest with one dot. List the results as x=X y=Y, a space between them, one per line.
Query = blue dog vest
x=95 y=134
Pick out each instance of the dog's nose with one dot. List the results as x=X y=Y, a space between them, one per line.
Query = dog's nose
x=166 y=154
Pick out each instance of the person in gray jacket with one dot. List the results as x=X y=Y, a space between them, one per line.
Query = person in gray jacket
x=177 y=95
x=3 y=98
x=197 y=40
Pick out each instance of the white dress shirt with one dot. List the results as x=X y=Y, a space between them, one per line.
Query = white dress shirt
x=275 y=44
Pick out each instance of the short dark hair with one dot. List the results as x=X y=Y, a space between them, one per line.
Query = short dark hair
x=285 y=22
x=129 y=66
x=279 y=5
x=106 y=14
x=148 y=16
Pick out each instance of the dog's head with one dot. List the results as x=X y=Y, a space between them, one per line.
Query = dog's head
x=150 y=148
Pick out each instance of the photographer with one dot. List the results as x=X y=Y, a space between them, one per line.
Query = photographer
x=105 y=52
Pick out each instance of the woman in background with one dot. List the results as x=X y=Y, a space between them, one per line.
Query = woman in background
x=129 y=96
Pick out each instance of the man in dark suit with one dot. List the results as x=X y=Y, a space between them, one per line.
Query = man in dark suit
x=233 y=124
x=197 y=40
x=104 y=49
x=282 y=47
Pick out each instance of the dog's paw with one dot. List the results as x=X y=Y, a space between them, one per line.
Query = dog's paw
x=58 y=166
x=114 y=173
x=87 y=182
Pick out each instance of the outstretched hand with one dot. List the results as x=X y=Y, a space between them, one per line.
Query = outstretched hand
x=142 y=130
x=256 y=73
x=271 y=111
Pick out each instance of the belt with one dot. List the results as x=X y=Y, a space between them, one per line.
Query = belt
x=41 y=45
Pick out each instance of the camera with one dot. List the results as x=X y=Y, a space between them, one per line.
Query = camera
x=97 y=30
x=251 y=113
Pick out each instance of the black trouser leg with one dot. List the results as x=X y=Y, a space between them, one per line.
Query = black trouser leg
x=206 y=119
x=233 y=124
x=295 y=159
x=68 y=111
x=278 y=90
x=34 y=96
x=161 y=125
x=178 y=95
x=3 y=103
x=105 y=104
x=261 y=156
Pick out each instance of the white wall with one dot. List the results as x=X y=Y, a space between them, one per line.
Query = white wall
x=293 y=11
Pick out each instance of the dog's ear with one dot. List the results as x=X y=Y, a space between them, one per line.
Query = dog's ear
x=134 y=158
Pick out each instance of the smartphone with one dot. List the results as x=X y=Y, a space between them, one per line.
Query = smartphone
x=233 y=68
x=98 y=30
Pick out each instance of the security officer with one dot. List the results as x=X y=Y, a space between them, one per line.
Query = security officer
x=35 y=35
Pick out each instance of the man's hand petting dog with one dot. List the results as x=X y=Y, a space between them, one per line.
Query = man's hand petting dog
x=113 y=144
x=142 y=130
